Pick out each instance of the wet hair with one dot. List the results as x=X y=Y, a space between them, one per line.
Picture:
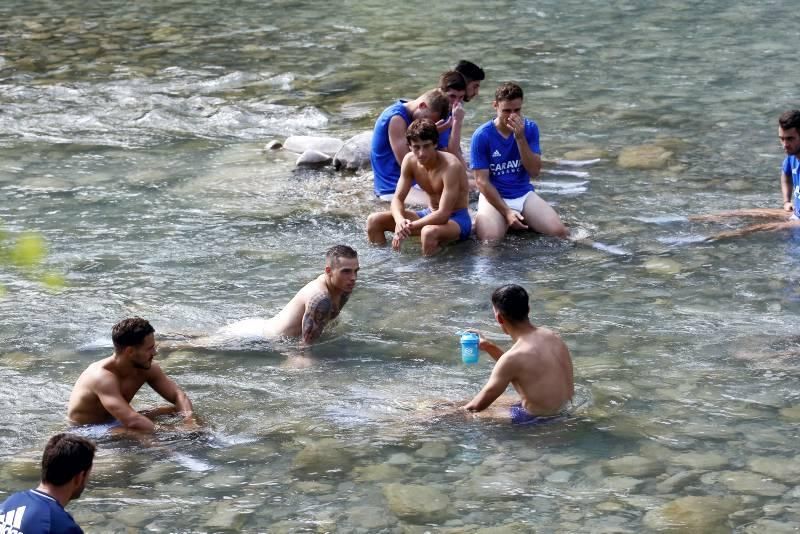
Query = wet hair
x=438 y=102
x=65 y=456
x=422 y=130
x=130 y=332
x=508 y=91
x=470 y=71
x=452 y=79
x=790 y=119
x=339 y=251
x=511 y=301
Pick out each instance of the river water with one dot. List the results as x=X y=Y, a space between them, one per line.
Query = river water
x=132 y=140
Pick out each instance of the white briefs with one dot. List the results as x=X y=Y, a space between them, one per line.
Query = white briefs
x=515 y=204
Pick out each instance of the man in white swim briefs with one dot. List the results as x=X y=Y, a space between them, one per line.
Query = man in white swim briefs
x=538 y=365
x=103 y=393
x=505 y=155
x=314 y=306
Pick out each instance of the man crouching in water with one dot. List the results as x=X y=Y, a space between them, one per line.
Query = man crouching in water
x=538 y=365
x=314 y=306
x=103 y=392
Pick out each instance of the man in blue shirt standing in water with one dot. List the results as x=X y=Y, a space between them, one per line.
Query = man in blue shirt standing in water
x=66 y=463
x=505 y=155
x=389 y=145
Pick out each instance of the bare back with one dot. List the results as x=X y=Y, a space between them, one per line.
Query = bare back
x=540 y=369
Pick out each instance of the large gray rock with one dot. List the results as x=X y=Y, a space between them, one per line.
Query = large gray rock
x=313 y=157
x=415 y=502
x=301 y=143
x=323 y=456
x=693 y=514
x=354 y=154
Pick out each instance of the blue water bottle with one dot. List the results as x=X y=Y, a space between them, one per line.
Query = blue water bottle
x=469 y=348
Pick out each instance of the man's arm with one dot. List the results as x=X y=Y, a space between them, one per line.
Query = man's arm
x=454 y=143
x=497 y=384
x=397 y=138
x=513 y=219
x=169 y=390
x=448 y=200
x=108 y=392
x=402 y=226
x=530 y=159
x=786 y=191
x=318 y=309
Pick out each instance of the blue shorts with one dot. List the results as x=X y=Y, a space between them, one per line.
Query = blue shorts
x=96 y=430
x=521 y=417
x=461 y=217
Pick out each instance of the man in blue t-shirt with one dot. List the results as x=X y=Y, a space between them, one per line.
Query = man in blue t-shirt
x=789 y=134
x=505 y=154
x=389 y=145
x=66 y=463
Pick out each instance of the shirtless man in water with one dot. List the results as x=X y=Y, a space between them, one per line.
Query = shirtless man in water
x=314 y=306
x=538 y=365
x=104 y=391
x=443 y=177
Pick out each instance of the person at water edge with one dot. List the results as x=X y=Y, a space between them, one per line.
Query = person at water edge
x=789 y=215
x=103 y=392
x=66 y=464
x=389 y=145
x=538 y=365
x=505 y=155
x=315 y=305
x=439 y=174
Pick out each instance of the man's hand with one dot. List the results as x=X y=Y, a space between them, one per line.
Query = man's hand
x=442 y=125
x=457 y=112
x=514 y=219
x=788 y=206
x=517 y=125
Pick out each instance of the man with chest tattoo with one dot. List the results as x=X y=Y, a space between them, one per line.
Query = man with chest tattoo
x=314 y=306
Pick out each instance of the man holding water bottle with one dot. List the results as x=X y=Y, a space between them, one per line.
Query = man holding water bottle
x=538 y=365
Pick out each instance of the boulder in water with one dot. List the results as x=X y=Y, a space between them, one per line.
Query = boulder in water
x=313 y=157
x=303 y=143
x=644 y=157
x=354 y=154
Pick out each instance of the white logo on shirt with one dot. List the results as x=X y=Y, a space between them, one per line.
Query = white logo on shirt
x=12 y=519
x=496 y=154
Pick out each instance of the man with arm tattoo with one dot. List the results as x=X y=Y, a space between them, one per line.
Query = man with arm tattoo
x=314 y=306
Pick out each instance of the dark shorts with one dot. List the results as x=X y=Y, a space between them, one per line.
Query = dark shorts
x=461 y=217
x=520 y=417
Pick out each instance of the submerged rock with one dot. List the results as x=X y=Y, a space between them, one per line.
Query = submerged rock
x=700 y=460
x=644 y=157
x=273 y=145
x=752 y=483
x=708 y=515
x=414 y=502
x=354 y=153
x=302 y=143
x=634 y=466
x=323 y=456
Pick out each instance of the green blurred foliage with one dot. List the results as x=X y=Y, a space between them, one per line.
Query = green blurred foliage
x=27 y=253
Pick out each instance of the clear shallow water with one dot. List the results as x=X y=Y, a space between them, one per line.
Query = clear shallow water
x=131 y=138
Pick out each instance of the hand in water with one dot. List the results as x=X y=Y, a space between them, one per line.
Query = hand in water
x=514 y=219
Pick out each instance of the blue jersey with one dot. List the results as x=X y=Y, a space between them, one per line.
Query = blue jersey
x=386 y=170
x=791 y=168
x=501 y=157
x=35 y=512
